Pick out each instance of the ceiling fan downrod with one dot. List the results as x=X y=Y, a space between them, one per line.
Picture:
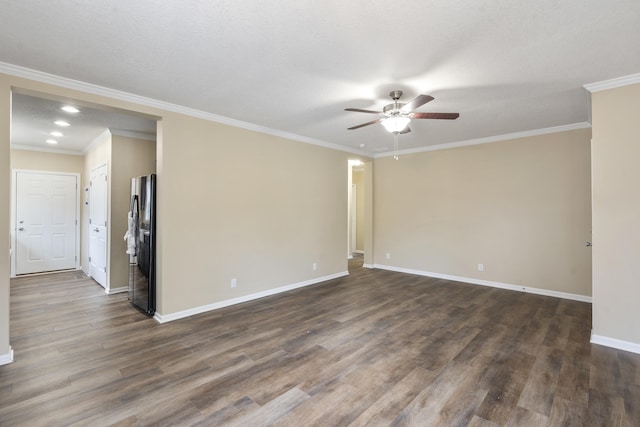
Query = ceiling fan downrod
x=394 y=109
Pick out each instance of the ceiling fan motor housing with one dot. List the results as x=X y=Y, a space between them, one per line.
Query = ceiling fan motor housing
x=395 y=94
x=394 y=109
x=391 y=108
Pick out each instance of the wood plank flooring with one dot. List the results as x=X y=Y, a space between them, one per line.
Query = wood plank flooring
x=375 y=348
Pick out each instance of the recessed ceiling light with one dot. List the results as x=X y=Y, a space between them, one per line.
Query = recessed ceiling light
x=363 y=145
x=70 y=109
x=51 y=141
x=62 y=123
x=56 y=133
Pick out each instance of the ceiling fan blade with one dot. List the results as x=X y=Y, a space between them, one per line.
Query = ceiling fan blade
x=365 y=124
x=416 y=102
x=405 y=130
x=359 y=110
x=445 y=116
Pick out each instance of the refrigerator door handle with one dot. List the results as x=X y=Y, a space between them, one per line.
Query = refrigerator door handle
x=134 y=204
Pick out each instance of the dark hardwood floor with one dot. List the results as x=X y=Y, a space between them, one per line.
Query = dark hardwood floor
x=375 y=348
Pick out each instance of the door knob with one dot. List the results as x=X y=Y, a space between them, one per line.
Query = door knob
x=20 y=228
x=96 y=229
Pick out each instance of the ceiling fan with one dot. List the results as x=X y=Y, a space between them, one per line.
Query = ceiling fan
x=395 y=117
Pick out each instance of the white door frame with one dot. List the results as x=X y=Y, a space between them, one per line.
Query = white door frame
x=351 y=206
x=14 y=204
x=107 y=226
x=354 y=219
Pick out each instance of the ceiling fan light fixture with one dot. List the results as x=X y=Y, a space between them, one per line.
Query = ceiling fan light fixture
x=395 y=124
x=70 y=109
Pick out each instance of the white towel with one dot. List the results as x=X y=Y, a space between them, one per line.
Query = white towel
x=130 y=235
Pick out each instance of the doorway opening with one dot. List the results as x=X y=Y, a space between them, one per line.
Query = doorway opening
x=60 y=136
x=359 y=219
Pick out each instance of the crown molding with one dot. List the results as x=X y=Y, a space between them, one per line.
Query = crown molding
x=489 y=139
x=132 y=134
x=45 y=150
x=613 y=83
x=105 y=134
x=39 y=76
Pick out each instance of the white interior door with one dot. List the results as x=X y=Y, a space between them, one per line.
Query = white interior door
x=46 y=222
x=98 y=225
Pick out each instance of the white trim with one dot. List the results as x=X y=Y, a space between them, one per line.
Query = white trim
x=489 y=139
x=613 y=83
x=112 y=291
x=368 y=266
x=45 y=149
x=42 y=273
x=615 y=343
x=5 y=359
x=163 y=318
x=132 y=134
x=527 y=289
x=64 y=82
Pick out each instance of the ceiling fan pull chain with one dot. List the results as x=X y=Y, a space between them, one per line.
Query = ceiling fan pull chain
x=395 y=145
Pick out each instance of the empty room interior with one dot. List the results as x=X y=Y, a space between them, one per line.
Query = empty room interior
x=320 y=213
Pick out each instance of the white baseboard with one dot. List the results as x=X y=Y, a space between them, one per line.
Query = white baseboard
x=5 y=359
x=368 y=265
x=163 y=318
x=615 y=343
x=537 y=291
x=112 y=291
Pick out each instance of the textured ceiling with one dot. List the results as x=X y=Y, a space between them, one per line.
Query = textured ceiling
x=293 y=66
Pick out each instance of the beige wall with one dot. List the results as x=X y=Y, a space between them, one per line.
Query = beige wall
x=616 y=213
x=240 y=204
x=48 y=162
x=521 y=207
x=130 y=157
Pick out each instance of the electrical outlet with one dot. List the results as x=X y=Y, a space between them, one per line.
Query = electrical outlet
x=388 y=255
x=234 y=282
x=315 y=266
x=480 y=267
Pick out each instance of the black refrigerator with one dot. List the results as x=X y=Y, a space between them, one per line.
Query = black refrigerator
x=142 y=244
